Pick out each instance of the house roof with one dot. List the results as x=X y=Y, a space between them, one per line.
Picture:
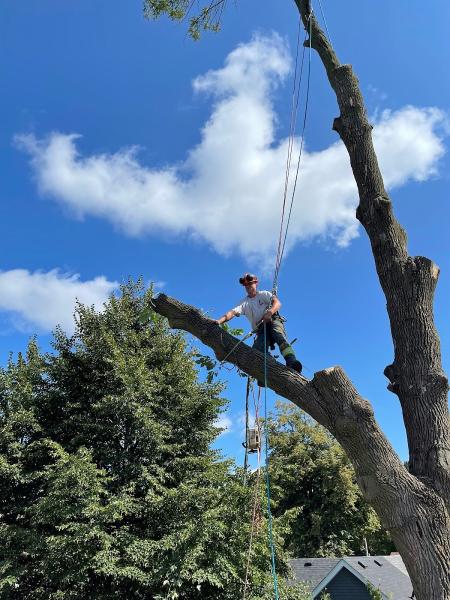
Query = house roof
x=388 y=573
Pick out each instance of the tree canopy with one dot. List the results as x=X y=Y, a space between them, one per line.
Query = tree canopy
x=202 y=17
x=110 y=487
x=314 y=483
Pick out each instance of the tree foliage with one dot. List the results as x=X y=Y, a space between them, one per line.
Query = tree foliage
x=374 y=593
x=109 y=487
x=202 y=17
x=314 y=485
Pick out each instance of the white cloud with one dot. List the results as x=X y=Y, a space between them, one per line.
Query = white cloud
x=409 y=143
x=223 y=422
x=44 y=300
x=228 y=190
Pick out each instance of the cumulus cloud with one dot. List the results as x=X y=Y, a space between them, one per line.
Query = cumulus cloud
x=224 y=423
x=43 y=300
x=235 y=175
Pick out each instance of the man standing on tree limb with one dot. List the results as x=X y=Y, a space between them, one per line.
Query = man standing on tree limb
x=261 y=308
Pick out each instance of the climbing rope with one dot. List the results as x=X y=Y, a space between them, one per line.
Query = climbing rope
x=255 y=517
x=256 y=505
x=255 y=502
x=291 y=138
x=283 y=234
x=279 y=257
x=249 y=334
x=305 y=116
x=282 y=238
x=325 y=22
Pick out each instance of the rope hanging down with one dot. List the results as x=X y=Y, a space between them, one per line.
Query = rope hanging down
x=295 y=101
x=280 y=252
x=255 y=502
x=279 y=258
x=293 y=123
x=296 y=94
x=266 y=443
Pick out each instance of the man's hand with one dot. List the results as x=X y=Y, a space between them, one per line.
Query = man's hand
x=267 y=316
x=226 y=317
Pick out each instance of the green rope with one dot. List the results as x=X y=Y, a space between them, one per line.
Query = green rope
x=266 y=436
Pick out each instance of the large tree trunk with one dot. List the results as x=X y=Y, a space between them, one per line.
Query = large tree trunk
x=413 y=504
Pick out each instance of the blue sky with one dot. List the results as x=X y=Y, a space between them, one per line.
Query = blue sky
x=130 y=150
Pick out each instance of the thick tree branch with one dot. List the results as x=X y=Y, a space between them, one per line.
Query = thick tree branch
x=329 y=397
x=416 y=375
x=332 y=400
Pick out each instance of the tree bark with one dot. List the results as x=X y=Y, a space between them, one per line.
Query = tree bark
x=414 y=503
x=416 y=375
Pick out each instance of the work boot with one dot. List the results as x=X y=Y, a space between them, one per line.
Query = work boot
x=293 y=363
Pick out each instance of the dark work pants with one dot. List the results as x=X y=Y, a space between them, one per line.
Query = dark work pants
x=275 y=334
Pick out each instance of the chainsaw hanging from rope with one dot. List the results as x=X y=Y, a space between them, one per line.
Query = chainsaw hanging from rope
x=252 y=442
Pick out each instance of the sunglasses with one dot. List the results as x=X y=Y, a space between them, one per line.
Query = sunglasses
x=247 y=279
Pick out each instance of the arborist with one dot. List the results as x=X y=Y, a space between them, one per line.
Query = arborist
x=261 y=307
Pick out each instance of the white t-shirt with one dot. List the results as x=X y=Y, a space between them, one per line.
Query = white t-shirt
x=254 y=308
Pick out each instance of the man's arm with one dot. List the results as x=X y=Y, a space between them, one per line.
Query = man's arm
x=275 y=307
x=227 y=317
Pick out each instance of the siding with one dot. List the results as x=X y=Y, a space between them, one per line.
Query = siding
x=346 y=586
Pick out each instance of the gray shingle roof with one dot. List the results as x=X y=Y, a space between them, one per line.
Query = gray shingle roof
x=388 y=573
x=317 y=569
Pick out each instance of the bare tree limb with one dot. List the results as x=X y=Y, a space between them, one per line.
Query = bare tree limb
x=329 y=397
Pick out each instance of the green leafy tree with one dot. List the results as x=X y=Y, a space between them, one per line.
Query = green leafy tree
x=109 y=486
x=202 y=17
x=314 y=485
x=374 y=593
